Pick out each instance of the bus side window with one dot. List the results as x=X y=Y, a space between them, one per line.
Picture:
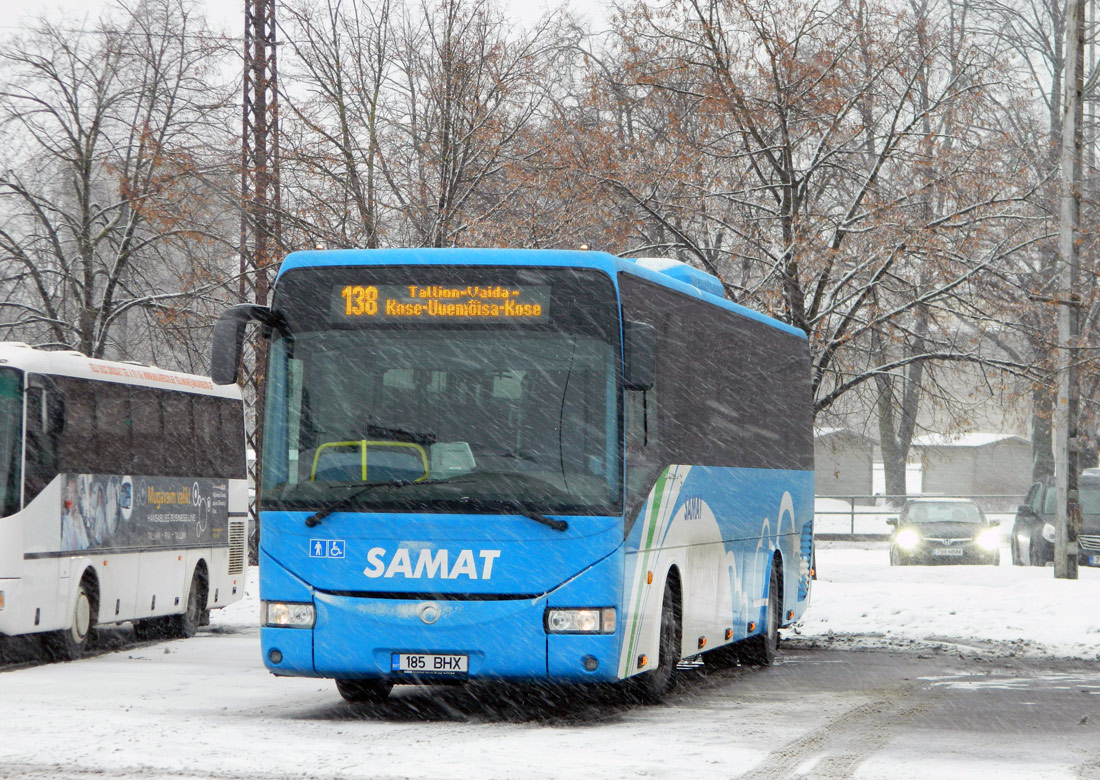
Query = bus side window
x=206 y=432
x=75 y=452
x=231 y=449
x=149 y=441
x=45 y=421
x=634 y=415
x=180 y=453
x=112 y=428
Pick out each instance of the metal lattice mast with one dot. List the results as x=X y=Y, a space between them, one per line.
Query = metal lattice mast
x=260 y=246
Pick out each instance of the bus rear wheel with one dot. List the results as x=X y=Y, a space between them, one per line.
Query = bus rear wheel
x=195 y=613
x=364 y=691
x=152 y=629
x=69 y=644
x=760 y=650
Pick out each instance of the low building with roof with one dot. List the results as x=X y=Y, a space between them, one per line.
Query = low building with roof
x=843 y=462
x=974 y=464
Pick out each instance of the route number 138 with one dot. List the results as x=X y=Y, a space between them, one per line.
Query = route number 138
x=359 y=300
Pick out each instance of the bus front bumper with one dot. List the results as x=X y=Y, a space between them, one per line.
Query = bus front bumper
x=500 y=639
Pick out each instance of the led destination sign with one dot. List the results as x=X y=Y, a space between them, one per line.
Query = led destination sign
x=397 y=302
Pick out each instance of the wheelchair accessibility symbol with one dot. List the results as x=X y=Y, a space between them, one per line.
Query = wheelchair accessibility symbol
x=326 y=548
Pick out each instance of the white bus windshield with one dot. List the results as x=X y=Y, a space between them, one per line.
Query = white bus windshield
x=11 y=439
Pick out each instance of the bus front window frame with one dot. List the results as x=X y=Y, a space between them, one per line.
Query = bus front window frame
x=572 y=356
x=11 y=440
x=292 y=414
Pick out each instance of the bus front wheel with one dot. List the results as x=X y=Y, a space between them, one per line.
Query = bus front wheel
x=653 y=686
x=364 y=691
x=69 y=644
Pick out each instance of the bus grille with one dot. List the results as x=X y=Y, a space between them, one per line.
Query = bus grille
x=237 y=537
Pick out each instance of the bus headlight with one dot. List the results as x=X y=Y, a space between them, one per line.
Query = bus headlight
x=287 y=615
x=581 y=621
x=908 y=539
x=1048 y=532
x=990 y=539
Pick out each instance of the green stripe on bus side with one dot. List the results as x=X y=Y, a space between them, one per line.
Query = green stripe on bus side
x=655 y=511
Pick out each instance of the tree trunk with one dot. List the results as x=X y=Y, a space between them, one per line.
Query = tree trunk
x=1042 y=450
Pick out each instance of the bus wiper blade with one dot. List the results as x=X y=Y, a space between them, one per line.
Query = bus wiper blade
x=508 y=506
x=316 y=518
x=557 y=525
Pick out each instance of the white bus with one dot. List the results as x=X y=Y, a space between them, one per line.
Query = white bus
x=124 y=497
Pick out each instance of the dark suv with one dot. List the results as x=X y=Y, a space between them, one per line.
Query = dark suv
x=1033 y=530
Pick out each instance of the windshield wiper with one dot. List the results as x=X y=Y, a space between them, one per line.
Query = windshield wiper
x=348 y=500
x=508 y=506
x=336 y=506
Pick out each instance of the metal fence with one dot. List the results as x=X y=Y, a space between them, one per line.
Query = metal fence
x=855 y=517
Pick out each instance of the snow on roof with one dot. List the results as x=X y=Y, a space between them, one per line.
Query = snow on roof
x=972 y=439
x=823 y=432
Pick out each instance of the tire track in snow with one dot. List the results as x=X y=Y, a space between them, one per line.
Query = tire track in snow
x=836 y=750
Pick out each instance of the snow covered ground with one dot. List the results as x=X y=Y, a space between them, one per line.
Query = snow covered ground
x=206 y=708
x=861 y=601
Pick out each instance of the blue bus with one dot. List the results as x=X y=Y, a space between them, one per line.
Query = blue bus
x=526 y=465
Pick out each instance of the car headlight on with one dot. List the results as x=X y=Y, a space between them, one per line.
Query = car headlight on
x=1048 y=532
x=594 y=620
x=989 y=539
x=908 y=539
x=281 y=614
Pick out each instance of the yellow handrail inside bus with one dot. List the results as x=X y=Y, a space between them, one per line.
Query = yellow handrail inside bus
x=366 y=444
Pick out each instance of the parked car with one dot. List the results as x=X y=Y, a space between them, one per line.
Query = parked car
x=1033 y=529
x=943 y=530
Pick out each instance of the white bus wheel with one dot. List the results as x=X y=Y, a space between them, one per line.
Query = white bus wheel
x=195 y=613
x=152 y=629
x=69 y=643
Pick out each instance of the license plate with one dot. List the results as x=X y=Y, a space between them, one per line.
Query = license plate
x=429 y=663
x=1094 y=560
x=954 y=552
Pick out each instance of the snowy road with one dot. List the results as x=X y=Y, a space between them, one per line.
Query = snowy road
x=966 y=708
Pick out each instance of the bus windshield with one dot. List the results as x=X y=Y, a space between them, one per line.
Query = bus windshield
x=11 y=439
x=472 y=419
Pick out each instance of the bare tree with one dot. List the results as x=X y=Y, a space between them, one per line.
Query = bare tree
x=339 y=70
x=408 y=119
x=106 y=217
x=830 y=161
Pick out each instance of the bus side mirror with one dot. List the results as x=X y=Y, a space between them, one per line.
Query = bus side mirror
x=225 y=355
x=640 y=358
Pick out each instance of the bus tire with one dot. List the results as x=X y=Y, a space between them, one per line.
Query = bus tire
x=152 y=629
x=760 y=650
x=70 y=643
x=364 y=691
x=653 y=686
x=186 y=625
